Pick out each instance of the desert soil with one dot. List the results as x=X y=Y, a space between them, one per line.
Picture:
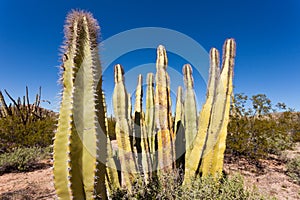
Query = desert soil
x=269 y=178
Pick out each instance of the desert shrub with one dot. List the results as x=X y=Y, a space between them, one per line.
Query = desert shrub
x=168 y=187
x=36 y=133
x=258 y=131
x=293 y=169
x=21 y=159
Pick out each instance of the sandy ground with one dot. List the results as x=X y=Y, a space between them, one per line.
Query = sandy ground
x=269 y=179
x=31 y=185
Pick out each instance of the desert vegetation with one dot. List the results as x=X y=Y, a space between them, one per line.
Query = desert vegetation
x=159 y=155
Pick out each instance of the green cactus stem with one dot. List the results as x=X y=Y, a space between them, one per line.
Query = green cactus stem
x=123 y=129
x=220 y=112
x=217 y=130
x=192 y=165
x=138 y=122
x=112 y=177
x=179 y=130
x=75 y=143
x=150 y=110
x=162 y=112
x=190 y=110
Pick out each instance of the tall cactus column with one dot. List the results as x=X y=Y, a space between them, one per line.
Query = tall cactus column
x=189 y=110
x=192 y=165
x=217 y=130
x=162 y=112
x=141 y=137
x=76 y=139
x=123 y=129
x=209 y=145
x=220 y=112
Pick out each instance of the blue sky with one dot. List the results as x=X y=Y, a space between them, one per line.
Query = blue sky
x=267 y=35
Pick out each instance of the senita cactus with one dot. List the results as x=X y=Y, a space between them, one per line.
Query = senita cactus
x=82 y=146
x=216 y=135
x=192 y=165
x=209 y=144
x=141 y=137
x=123 y=129
x=179 y=130
x=112 y=178
x=77 y=174
x=190 y=111
x=150 y=114
x=162 y=112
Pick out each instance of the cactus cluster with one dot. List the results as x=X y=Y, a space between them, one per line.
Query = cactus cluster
x=22 y=107
x=150 y=142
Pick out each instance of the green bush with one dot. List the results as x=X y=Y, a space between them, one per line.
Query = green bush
x=36 y=133
x=21 y=159
x=261 y=130
x=293 y=169
x=168 y=187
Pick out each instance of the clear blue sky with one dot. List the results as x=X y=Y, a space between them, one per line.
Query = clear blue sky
x=267 y=35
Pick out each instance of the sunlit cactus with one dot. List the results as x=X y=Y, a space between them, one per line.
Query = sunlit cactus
x=213 y=155
x=77 y=174
x=165 y=137
x=123 y=129
x=148 y=141
x=189 y=111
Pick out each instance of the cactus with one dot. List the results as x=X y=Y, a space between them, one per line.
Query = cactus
x=82 y=140
x=75 y=166
x=123 y=128
x=4 y=109
x=112 y=178
x=209 y=144
x=162 y=112
x=179 y=130
x=192 y=165
x=149 y=122
x=141 y=137
x=190 y=110
x=138 y=121
x=217 y=132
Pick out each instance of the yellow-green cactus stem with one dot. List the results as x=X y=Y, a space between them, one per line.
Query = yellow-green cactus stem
x=178 y=110
x=192 y=165
x=123 y=129
x=112 y=177
x=162 y=112
x=137 y=121
x=150 y=110
x=141 y=138
x=179 y=130
x=212 y=163
x=75 y=144
x=190 y=110
x=226 y=80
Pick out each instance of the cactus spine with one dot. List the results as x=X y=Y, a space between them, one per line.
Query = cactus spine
x=75 y=144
